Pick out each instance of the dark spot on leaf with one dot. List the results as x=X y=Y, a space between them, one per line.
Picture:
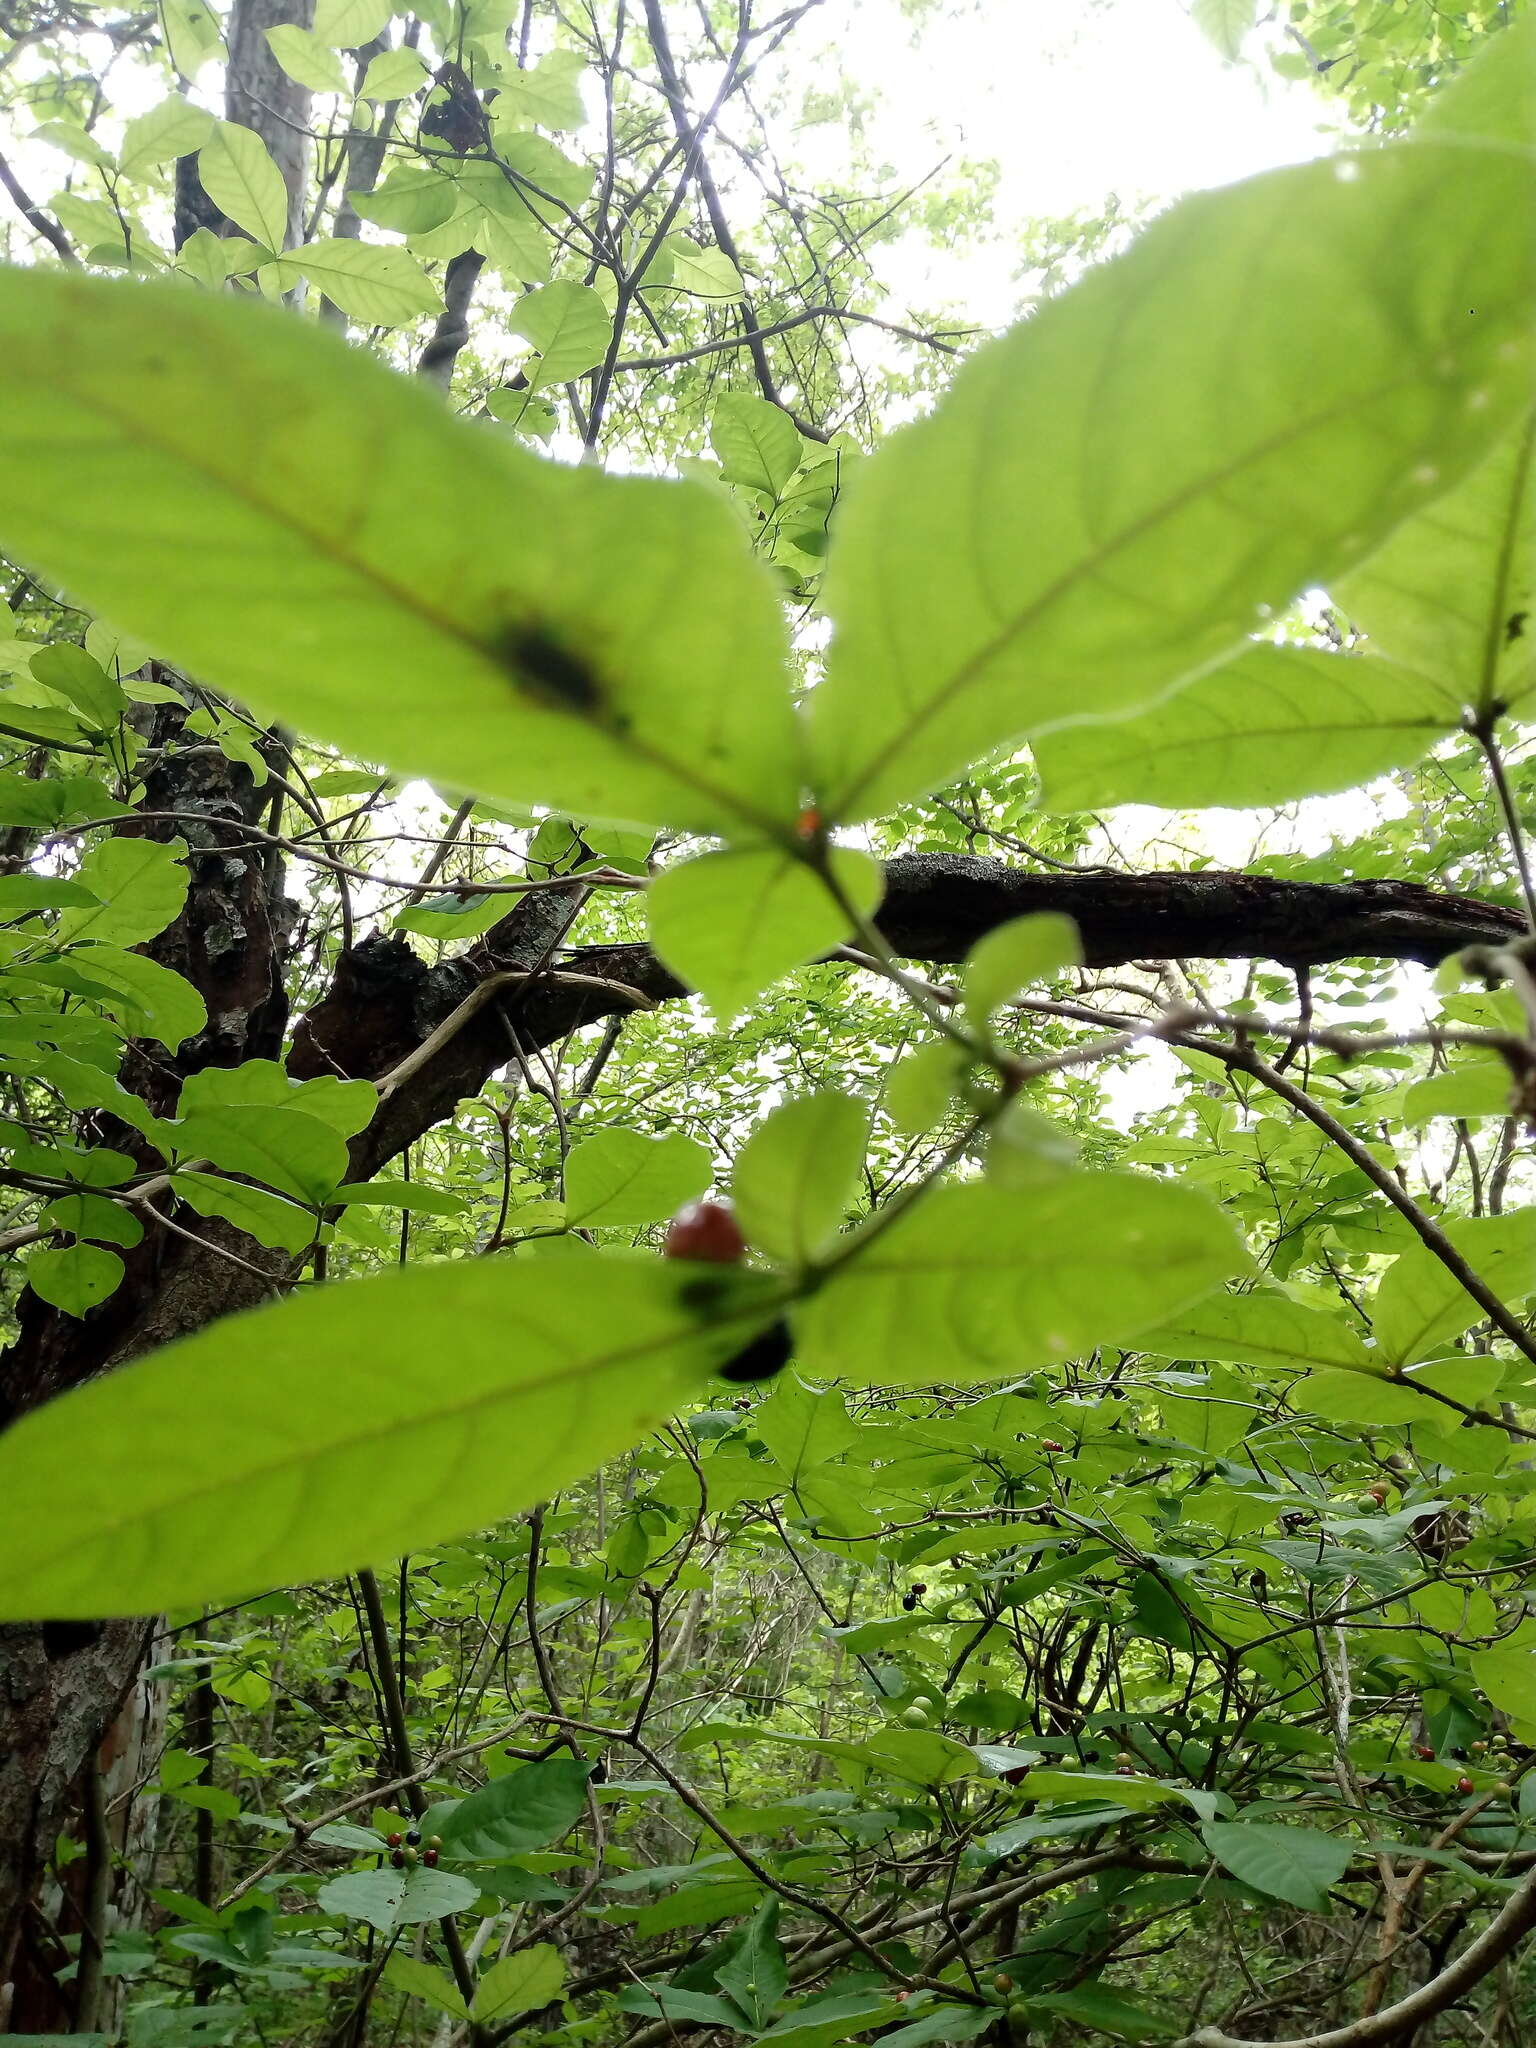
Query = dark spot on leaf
x=1514 y=627
x=545 y=669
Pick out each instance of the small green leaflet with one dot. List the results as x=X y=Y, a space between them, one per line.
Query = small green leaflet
x=351 y=1423
x=732 y=924
x=430 y=595
x=1111 y=497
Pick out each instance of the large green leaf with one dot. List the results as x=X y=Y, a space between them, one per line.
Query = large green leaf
x=140 y=885
x=524 y=1810
x=240 y=177
x=356 y=1422
x=1259 y=1329
x=519 y=1983
x=569 y=326
x=1292 y=1863
x=1114 y=494
x=384 y=286
x=297 y=525
x=1275 y=724
x=978 y=1280
x=1451 y=595
x=1420 y=1308
x=390 y=1899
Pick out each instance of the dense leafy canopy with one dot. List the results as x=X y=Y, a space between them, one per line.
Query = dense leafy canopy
x=1051 y=1560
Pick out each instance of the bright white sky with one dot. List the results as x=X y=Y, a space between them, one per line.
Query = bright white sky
x=1074 y=100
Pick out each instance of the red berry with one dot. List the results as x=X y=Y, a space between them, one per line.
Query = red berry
x=705 y=1230
x=1125 y=1770
x=395 y=1839
x=429 y=1857
x=808 y=824
x=397 y=1857
x=1465 y=1785
x=1424 y=1754
x=1049 y=1443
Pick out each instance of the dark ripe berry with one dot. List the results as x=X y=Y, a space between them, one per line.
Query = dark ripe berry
x=413 y=1836
x=1465 y=1785
x=762 y=1357
x=429 y=1857
x=395 y=1839
x=705 y=1230
x=1017 y=1775
x=919 y=1588
x=397 y=1857
x=908 y=1602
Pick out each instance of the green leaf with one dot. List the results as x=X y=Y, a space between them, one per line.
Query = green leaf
x=1224 y=23
x=569 y=326
x=757 y=443
x=241 y=179
x=547 y=93
x=804 y=1429
x=139 y=886
x=524 y=1810
x=24 y=801
x=93 y=1216
x=1015 y=956
x=21 y=895
x=798 y=1173
x=732 y=924
x=1097 y=2007
x=706 y=273
x=975 y=1281
x=308 y=61
x=83 y=683
x=348 y=1428
x=1444 y=597
x=267 y=1218
x=756 y=1975
x=1506 y=1677
x=346 y=1106
x=390 y=1899
x=395 y=75
x=294 y=1153
x=431 y=595
x=1469 y=1086
x=176 y=127
x=402 y=1194
x=1112 y=495
x=1420 y=1308
x=1296 y=1864
x=1261 y=1329
x=519 y=1983
x=1360 y=1397
x=419 y=1980
x=383 y=286
x=619 y=1179
x=412 y=200
x=1275 y=724
x=348 y=24
x=152 y=1001
x=76 y=1278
